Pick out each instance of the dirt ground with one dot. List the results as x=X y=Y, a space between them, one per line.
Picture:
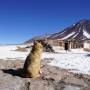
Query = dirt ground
x=52 y=78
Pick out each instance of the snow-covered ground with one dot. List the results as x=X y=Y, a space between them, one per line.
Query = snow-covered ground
x=76 y=60
x=8 y=52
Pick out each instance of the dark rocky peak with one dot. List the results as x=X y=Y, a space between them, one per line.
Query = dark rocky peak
x=77 y=31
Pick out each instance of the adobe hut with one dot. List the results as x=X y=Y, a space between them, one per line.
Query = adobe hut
x=72 y=43
x=87 y=45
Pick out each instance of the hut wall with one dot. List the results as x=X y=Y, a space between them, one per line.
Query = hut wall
x=72 y=44
x=86 y=45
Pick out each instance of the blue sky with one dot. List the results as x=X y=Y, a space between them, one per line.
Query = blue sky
x=20 y=20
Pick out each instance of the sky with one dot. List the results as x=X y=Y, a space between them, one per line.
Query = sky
x=21 y=20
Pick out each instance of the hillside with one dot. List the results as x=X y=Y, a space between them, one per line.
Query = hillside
x=77 y=31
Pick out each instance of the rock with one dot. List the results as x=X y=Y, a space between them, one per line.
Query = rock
x=21 y=49
x=75 y=81
x=41 y=85
x=52 y=78
x=67 y=87
x=8 y=82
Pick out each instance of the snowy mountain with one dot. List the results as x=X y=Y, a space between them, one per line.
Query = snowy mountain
x=78 y=31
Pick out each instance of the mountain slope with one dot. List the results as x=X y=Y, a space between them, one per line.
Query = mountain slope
x=78 y=31
x=39 y=37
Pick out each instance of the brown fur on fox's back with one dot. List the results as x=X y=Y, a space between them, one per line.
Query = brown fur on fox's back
x=32 y=63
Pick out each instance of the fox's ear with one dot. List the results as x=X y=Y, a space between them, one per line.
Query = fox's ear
x=35 y=41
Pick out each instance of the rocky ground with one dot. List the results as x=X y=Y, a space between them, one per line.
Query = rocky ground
x=52 y=78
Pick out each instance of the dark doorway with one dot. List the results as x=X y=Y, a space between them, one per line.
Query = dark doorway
x=66 y=46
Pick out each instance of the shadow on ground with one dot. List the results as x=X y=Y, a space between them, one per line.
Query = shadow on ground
x=13 y=72
x=88 y=55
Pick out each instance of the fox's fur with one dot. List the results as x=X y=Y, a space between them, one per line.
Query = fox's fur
x=32 y=63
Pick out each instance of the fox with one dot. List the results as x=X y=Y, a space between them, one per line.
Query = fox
x=32 y=62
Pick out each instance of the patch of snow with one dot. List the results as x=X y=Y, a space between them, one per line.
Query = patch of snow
x=75 y=35
x=69 y=35
x=58 y=34
x=85 y=33
x=8 y=51
x=77 y=61
x=80 y=29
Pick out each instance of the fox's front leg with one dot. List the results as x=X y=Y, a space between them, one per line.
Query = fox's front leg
x=40 y=72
